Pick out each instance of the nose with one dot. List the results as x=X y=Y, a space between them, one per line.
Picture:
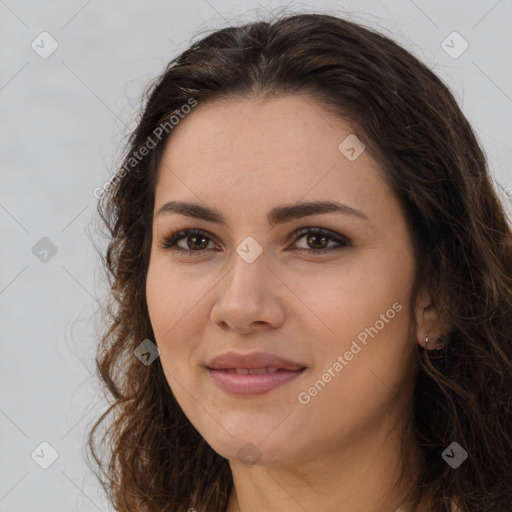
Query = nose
x=250 y=297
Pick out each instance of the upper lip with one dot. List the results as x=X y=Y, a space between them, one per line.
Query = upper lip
x=251 y=361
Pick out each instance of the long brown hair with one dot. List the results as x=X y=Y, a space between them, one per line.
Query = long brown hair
x=153 y=459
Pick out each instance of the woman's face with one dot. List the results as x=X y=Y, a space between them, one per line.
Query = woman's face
x=334 y=305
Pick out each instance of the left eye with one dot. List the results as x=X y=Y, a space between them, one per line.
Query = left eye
x=318 y=236
x=198 y=241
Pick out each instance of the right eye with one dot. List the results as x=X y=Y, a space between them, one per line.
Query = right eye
x=199 y=239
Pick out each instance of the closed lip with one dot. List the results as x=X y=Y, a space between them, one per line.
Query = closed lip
x=252 y=360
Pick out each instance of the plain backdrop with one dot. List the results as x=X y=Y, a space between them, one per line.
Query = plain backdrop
x=64 y=117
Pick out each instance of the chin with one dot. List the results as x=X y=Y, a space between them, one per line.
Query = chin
x=252 y=449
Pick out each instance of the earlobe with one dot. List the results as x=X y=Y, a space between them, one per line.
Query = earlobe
x=438 y=346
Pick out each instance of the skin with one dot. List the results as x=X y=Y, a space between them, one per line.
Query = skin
x=340 y=451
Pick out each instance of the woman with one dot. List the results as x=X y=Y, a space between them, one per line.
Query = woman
x=312 y=285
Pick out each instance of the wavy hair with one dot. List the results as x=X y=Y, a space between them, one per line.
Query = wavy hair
x=150 y=457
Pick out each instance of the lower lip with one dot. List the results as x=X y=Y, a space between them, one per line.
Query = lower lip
x=252 y=384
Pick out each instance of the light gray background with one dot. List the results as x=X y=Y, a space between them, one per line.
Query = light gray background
x=63 y=119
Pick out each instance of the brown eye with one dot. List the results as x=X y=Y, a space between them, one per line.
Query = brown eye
x=318 y=240
x=196 y=241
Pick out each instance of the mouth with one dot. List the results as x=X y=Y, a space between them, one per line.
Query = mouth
x=255 y=373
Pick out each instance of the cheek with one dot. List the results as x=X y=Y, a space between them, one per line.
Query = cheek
x=167 y=309
x=177 y=307
x=174 y=295
x=345 y=299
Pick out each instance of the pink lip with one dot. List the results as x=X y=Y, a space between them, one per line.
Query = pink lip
x=255 y=384
x=252 y=384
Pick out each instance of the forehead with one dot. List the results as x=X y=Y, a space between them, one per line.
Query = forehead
x=252 y=152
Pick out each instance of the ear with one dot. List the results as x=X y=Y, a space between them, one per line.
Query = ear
x=427 y=322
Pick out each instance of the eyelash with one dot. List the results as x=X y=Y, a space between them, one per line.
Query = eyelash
x=170 y=241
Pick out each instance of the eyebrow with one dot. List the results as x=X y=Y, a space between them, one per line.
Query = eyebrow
x=278 y=215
